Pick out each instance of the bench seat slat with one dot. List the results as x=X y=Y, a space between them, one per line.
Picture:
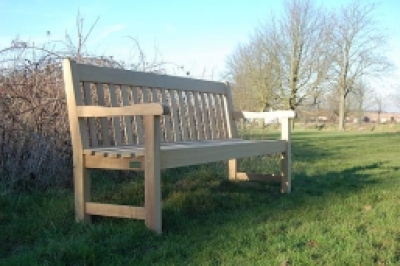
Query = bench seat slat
x=207 y=152
x=256 y=147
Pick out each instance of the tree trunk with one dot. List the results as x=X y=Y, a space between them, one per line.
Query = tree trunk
x=342 y=106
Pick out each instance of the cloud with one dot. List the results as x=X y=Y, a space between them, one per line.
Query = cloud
x=108 y=31
x=168 y=27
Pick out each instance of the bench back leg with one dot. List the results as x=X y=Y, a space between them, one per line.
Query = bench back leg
x=152 y=173
x=286 y=157
x=232 y=165
x=82 y=182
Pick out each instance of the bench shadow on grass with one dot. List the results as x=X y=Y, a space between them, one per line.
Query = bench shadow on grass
x=224 y=196
x=238 y=201
x=226 y=205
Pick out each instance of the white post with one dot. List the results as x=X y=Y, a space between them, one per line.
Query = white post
x=286 y=156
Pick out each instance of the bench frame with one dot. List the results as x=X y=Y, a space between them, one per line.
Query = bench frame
x=153 y=155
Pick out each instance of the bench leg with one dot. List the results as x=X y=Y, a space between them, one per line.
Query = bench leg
x=152 y=173
x=286 y=157
x=82 y=192
x=232 y=165
x=152 y=185
x=286 y=182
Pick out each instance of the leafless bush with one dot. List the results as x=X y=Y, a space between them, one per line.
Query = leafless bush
x=35 y=144
x=34 y=132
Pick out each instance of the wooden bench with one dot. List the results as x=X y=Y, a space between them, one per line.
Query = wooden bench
x=128 y=120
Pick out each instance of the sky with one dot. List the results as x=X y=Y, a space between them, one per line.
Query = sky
x=198 y=35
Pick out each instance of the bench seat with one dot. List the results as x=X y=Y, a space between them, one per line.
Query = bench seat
x=190 y=152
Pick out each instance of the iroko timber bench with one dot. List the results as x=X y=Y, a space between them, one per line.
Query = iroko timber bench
x=128 y=120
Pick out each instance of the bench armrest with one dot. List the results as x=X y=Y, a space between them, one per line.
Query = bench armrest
x=265 y=115
x=137 y=109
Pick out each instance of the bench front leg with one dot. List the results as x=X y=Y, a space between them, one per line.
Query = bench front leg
x=286 y=182
x=152 y=184
x=82 y=181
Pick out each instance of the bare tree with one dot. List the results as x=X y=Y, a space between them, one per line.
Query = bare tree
x=76 y=48
x=379 y=102
x=254 y=76
x=361 y=98
x=286 y=62
x=395 y=99
x=304 y=60
x=358 y=48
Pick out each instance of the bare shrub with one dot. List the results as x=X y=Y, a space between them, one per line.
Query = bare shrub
x=35 y=143
x=34 y=131
x=35 y=146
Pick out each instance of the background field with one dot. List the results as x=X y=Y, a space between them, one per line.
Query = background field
x=344 y=210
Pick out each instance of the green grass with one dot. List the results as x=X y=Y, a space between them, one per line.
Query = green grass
x=344 y=210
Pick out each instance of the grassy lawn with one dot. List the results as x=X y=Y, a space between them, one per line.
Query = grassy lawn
x=344 y=210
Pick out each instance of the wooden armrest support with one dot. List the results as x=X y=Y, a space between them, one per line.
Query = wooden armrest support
x=137 y=109
x=269 y=115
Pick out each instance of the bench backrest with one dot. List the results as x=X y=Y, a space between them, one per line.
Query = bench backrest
x=200 y=109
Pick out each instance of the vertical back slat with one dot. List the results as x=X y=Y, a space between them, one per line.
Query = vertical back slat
x=220 y=117
x=127 y=119
x=145 y=95
x=224 y=116
x=145 y=99
x=166 y=118
x=116 y=120
x=104 y=124
x=183 y=116
x=204 y=109
x=192 y=126
x=198 y=116
x=211 y=115
x=175 y=124
x=232 y=131
x=91 y=120
x=217 y=116
x=138 y=119
x=153 y=98
x=154 y=95
x=82 y=122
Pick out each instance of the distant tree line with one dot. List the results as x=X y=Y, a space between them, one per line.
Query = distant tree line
x=310 y=56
